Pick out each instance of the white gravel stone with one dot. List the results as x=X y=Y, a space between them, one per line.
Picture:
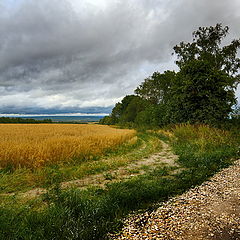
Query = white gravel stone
x=208 y=211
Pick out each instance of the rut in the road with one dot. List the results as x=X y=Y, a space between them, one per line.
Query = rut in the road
x=163 y=158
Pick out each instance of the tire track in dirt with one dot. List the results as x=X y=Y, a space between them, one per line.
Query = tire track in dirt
x=163 y=158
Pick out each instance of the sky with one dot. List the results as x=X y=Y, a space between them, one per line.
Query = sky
x=83 y=56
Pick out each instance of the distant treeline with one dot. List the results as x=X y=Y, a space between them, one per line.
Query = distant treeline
x=23 y=120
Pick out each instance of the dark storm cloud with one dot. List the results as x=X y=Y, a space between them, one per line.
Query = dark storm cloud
x=76 y=54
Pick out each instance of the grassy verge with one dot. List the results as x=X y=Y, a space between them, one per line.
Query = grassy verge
x=92 y=213
x=203 y=150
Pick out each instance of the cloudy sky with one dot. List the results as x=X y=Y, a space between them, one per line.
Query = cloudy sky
x=85 y=55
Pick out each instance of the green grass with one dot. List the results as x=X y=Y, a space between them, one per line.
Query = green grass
x=204 y=147
x=76 y=214
x=91 y=214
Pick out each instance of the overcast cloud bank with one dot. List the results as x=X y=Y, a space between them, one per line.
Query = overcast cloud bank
x=83 y=56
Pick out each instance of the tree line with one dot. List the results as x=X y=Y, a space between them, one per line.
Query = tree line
x=23 y=120
x=201 y=91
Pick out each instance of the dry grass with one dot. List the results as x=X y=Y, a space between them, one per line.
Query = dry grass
x=39 y=145
x=202 y=135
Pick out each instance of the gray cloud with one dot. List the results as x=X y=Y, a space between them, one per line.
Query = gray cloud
x=76 y=54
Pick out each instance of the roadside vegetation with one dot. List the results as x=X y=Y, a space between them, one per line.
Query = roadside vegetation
x=191 y=111
x=94 y=212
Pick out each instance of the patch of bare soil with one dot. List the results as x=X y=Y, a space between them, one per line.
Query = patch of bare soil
x=165 y=157
x=209 y=211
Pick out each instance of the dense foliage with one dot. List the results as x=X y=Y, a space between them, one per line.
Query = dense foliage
x=202 y=91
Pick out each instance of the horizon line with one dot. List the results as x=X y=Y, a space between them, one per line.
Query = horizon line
x=52 y=115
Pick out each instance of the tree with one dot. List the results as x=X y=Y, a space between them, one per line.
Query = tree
x=107 y=120
x=206 y=46
x=201 y=94
x=152 y=116
x=156 y=88
x=125 y=111
x=135 y=106
x=203 y=90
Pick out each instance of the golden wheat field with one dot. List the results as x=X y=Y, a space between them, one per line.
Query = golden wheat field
x=36 y=145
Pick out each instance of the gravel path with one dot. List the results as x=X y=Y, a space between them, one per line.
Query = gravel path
x=209 y=211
